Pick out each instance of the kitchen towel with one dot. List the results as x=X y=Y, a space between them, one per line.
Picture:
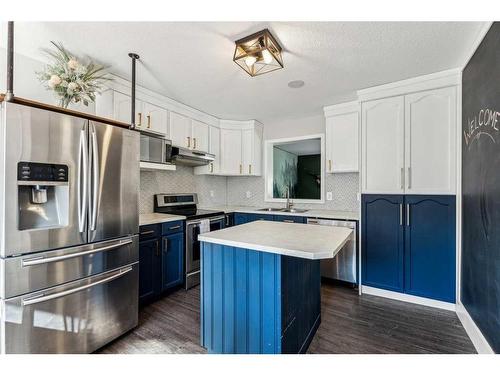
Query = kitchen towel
x=204 y=226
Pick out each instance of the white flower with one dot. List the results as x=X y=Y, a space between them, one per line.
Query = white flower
x=72 y=86
x=54 y=81
x=73 y=64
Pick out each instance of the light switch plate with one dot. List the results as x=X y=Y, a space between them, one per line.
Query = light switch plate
x=358 y=196
x=248 y=194
x=329 y=195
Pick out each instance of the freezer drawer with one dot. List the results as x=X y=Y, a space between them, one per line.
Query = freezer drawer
x=77 y=317
x=29 y=273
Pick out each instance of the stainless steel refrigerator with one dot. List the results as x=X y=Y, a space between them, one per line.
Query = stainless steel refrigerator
x=68 y=231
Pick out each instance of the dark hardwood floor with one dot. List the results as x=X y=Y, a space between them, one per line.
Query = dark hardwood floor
x=350 y=324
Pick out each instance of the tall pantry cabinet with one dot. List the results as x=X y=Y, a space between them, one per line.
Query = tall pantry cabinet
x=408 y=185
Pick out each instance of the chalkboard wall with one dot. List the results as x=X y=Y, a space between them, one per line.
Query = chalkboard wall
x=480 y=287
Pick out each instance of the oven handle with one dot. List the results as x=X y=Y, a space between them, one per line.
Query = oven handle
x=212 y=219
x=44 y=298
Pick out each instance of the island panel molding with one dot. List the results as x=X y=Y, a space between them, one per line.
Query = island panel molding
x=257 y=302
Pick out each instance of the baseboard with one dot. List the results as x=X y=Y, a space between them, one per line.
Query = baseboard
x=474 y=333
x=408 y=298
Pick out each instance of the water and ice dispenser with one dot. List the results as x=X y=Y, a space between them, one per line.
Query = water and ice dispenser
x=43 y=195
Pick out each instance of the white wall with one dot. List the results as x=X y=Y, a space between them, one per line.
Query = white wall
x=294 y=127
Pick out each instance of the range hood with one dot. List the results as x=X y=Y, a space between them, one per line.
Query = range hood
x=185 y=156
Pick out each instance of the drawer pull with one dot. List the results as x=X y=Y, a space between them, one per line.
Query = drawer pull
x=146 y=233
x=288 y=221
x=174 y=227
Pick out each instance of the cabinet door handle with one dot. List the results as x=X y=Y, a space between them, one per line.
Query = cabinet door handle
x=241 y=169
x=140 y=119
x=329 y=165
x=157 y=248
x=288 y=221
x=149 y=121
x=189 y=142
x=194 y=142
x=249 y=168
x=409 y=177
x=211 y=167
x=407 y=214
x=402 y=178
x=165 y=244
x=401 y=214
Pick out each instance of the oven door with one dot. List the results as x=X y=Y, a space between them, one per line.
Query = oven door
x=193 y=248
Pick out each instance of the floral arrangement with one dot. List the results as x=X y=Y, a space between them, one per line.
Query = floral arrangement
x=71 y=80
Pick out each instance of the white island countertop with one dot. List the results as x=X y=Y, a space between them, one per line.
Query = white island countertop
x=296 y=240
x=155 y=218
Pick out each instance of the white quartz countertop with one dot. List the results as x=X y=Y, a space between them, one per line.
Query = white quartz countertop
x=154 y=218
x=318 y=213
x=297 y=240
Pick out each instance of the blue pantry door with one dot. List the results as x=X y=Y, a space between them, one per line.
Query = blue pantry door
x=430 y=262
x=383 y=241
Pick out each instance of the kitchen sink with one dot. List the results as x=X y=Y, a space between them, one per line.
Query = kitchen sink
x=271 y=209
x=293 y=210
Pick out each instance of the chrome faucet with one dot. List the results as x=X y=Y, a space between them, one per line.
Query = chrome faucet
x=289 y=204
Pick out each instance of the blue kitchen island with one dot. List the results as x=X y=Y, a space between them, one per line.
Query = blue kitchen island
x=260 y=286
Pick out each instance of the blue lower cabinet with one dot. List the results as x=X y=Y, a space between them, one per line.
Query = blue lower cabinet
x=430 y=266
x=290 y=219
x=256 y=217
x=383 y=241
x=172 y=260
x=409 y=245
x=161 y=259
x=149 y=271
x=241 y=218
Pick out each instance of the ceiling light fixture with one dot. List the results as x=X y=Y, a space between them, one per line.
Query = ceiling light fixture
x=258 y=53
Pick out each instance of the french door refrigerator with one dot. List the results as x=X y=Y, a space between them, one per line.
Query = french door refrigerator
x=68 y=231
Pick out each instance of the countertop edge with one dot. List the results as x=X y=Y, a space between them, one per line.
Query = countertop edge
x=160 y=220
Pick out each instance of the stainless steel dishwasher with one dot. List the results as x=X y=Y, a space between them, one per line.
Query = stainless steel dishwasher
x=344 y=265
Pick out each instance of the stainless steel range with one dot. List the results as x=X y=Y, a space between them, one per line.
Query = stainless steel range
x=68 y=231
x=197 y=221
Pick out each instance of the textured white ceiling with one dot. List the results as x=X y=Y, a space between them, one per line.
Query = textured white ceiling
x=192 y=62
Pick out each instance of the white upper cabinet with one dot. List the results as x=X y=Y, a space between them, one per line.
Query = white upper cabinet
x=409 y=140
x=383 y=146
x=180 y=130
x=241 y=148
x=430 y=148
x=214 y=148
x=342 y=137
x=122 y=108
x=200 y=135
x=231 y=142
x=154 y=118
x=188 y=133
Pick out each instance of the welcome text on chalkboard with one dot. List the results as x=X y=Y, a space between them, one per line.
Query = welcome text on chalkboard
x=484 y=123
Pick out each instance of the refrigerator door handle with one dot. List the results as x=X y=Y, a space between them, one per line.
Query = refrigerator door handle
x=82 y=186
x=42 y=260
x=44 y=298
x=95 y=180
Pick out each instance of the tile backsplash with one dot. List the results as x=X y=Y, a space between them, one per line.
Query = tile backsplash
x=344 y=186
x=217 y=190
x=183 y=180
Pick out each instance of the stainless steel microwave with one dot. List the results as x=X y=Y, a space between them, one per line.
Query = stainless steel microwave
x=155 y=149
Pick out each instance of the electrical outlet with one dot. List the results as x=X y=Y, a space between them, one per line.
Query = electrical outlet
x=329 y=196
x=212 y=194
x=248 y=194
x=358 y=196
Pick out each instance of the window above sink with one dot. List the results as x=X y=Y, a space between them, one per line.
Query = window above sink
x=294 y=166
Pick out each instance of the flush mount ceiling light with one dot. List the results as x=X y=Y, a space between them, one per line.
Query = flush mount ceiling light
x=258 y=53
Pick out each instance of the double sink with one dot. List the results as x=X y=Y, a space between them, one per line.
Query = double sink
x=290 y=210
